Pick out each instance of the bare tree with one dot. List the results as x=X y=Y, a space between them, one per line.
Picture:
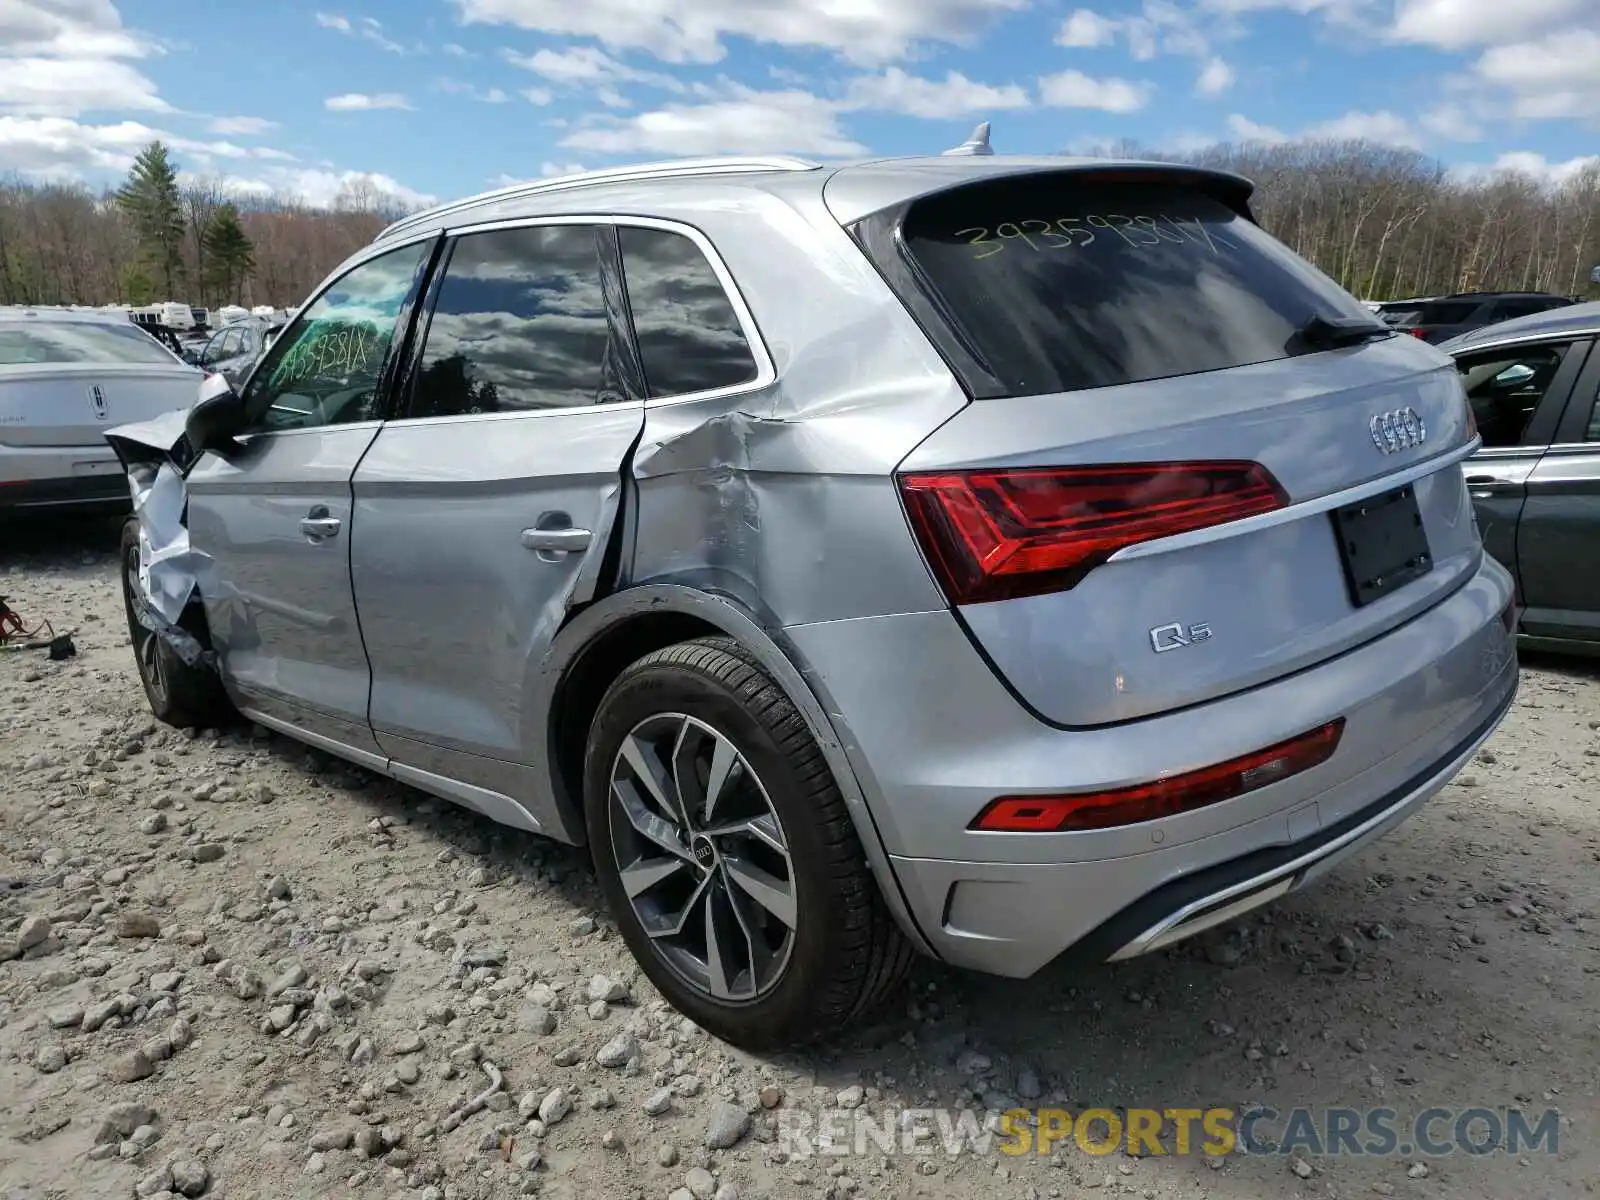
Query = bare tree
x=201 y=198
x=1384 y=222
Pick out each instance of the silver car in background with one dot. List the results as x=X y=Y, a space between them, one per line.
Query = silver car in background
x=65 y=378
x=1001 y=558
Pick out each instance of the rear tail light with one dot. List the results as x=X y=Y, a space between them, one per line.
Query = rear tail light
x=1164 y=797
x=1418 y=333
x=998 y=535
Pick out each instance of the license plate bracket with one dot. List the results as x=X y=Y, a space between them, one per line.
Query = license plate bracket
x=1382 y=544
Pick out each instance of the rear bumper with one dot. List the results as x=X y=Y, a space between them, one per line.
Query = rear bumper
x=933 y=738
x=61 y=477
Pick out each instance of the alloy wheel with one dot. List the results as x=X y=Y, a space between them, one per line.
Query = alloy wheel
x=702 y=857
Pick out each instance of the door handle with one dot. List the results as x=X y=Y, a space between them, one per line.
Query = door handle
x=320 y=528
x=560 y=541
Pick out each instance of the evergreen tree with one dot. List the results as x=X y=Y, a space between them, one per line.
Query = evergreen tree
x=230 y=258
x=150 y=200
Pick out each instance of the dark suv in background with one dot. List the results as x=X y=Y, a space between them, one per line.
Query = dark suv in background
x=1443 y=317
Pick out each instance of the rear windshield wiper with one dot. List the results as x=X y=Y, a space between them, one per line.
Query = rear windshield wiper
x=1330 y=333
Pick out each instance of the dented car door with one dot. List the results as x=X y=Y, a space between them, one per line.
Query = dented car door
x=483 y=512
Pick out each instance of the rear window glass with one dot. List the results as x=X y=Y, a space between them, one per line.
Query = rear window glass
x=1058 y=284
x=77 y=342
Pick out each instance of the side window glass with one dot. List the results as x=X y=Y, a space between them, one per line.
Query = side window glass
x=325 y=368
x=1504 y=388
x=689 y=336
x=1592 y=433
x=519 y=325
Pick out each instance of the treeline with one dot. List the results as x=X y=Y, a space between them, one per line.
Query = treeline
x=154 y=238
x=1384 y=222
x=1389 y=223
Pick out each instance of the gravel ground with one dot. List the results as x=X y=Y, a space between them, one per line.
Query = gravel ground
x=232 y=967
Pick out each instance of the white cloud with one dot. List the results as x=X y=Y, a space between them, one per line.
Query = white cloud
x=456 y=51
x=321 y=188
x=65 y=87
x=1246 y=130
x=1525 y=162
x=242 y=126
x=456 y=87
x=742 y=121
x=1556 y=76
x=1215 y=78
x=538 y=96
x=1383 y=127
x=1450 y=123
x=59 y=146
x=367 y=28
x=1074 y=89
x=866 y=31
x=81 y=29
x=1084 y=29
x=363 y=102
x=1158 y=27
x=576 y=65
x=1457 y=24
x=588 y=67
x=549 y=170
x=954 y=96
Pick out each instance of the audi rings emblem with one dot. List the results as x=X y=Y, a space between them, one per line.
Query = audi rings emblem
x=1398 y=429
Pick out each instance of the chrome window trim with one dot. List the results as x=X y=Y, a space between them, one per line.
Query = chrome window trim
x=1297 y=512
x=1526 y=339
x=252 y=435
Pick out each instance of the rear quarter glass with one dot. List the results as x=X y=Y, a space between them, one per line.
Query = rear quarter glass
x=1060 y=284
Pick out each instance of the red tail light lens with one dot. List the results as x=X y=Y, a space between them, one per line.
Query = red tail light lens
x=998 y=535
x=1164 y=797
x=1418 y=333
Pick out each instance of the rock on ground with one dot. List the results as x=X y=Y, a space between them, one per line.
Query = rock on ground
x=244 y=958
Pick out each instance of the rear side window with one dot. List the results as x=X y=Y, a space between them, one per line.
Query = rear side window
x=689 y=336
x=1059 y=284
x=519 y=325
x=77 y=342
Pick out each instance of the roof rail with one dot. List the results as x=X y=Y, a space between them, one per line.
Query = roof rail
x=657 y=170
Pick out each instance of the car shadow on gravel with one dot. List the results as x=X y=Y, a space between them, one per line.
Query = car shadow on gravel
x=40 y=543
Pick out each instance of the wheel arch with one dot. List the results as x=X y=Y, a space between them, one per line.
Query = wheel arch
x=594 y=647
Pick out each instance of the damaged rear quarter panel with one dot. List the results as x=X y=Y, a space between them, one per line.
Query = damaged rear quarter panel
x=784 y=498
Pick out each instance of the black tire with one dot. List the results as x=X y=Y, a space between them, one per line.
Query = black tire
x=846 y=954
x=188 y=697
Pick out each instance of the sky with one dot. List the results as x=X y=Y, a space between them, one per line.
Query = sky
x=433 y=99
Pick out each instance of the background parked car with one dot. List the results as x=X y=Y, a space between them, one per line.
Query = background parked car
x=1443 y=317
x=65 y=378
x=1534 y=385
x=233 y=351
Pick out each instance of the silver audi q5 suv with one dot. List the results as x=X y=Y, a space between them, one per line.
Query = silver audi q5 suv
x=999 y=558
